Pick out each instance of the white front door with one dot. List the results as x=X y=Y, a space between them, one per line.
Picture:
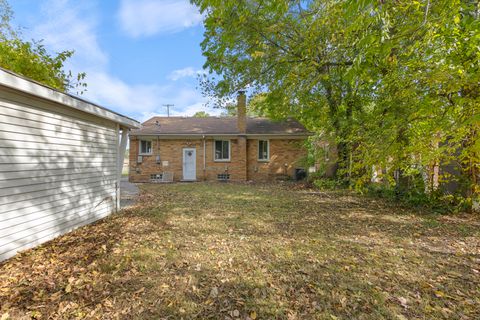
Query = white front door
x=189 y=164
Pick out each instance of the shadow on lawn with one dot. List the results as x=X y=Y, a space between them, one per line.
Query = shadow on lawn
x=265 y=253
x=374 y=260
x=46 y=271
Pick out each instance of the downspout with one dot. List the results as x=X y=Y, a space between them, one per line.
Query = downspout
x=204 y=159
x=158 y=153
x=121 y=147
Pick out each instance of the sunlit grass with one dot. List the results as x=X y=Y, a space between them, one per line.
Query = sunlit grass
x=211 y=250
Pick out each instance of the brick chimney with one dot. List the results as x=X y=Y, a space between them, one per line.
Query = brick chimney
x=242 y=112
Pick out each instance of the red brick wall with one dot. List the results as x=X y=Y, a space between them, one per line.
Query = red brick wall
x=285 y=156
x=235 y=167
x=281 y=152
x=170 y=151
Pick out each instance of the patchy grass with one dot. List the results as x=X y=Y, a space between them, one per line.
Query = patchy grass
x=229 y=251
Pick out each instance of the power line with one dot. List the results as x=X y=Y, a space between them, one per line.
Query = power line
x=168 y=105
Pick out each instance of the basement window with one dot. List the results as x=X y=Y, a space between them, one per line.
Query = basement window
x=263 y=150
x=145 y=147
x=222 y=150
x=223 y=176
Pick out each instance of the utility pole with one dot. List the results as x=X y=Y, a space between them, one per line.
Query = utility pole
x=168 y=105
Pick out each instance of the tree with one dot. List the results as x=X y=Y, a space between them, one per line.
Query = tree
x=255 y=107
x=31 y=59
x=396 y=83
x=201 y=114
x=283 y=50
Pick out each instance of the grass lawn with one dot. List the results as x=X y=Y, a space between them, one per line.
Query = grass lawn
x=231 y=251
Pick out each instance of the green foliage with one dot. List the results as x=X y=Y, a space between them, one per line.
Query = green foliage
x=416 y=197
x=201 y=114
x=319 y=152
x=258 y=106
x=254 y=108
x=396 y=84
x=328 y=184
x=31 y=59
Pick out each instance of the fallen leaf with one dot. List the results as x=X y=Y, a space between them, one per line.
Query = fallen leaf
x=439 y=294
x=140 y=290
x=214 y=292
x=403 y=302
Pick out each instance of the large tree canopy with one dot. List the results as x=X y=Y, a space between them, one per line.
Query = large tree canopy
x=31 y=59
x=395 y=82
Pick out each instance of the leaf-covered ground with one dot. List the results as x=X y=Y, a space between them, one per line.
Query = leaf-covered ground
x=231 y=251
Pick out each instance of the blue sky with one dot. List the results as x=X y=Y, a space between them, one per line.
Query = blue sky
x=138 y=54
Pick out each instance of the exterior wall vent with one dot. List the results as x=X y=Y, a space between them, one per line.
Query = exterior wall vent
x=223 y=176
x=139 y=159
x=157 y=177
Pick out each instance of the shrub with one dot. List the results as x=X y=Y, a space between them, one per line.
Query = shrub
x=329 y=184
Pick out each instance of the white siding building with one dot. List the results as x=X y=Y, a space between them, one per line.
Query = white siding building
x=60 y=162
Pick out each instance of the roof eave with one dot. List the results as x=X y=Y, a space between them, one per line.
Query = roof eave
x=19 y=83
x=219 y=134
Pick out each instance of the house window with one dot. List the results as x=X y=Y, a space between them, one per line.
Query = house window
x=145 y=147
x=222 y=150
x=263 y=150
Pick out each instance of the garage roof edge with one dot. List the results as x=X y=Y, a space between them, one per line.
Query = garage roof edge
x=20 y=83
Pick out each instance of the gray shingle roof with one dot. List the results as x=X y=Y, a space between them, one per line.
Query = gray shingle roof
x=217 y=126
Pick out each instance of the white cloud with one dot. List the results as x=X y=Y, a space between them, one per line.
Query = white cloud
x=66 y=24
x=64 y=29
x=146 y=101
x=194 y=108
x=186 y=111
x=114 y=92
x=149 y=17
x=188 y=72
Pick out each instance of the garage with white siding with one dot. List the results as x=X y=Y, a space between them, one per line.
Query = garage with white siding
x=60 y=162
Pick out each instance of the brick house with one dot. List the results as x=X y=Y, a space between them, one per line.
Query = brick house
x=216 y=148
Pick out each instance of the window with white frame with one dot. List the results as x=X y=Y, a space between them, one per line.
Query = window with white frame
x=222 y=150
x=145 y=147
x=263 y=150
